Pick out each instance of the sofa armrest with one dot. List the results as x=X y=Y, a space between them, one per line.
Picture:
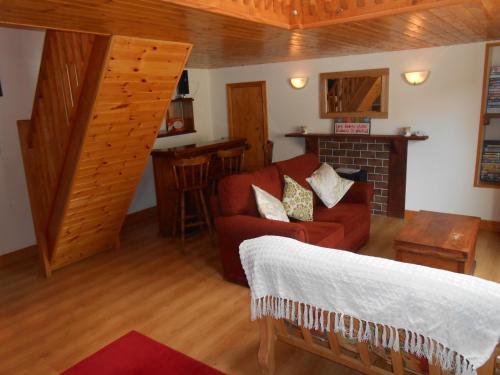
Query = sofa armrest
x=244 y=227
x=360 y=192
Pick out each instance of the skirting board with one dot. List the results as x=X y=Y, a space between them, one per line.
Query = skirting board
x=489 y=225
x=18 y=255
x=31 y=251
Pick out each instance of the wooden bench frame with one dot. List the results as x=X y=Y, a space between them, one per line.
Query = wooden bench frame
x=356 y=356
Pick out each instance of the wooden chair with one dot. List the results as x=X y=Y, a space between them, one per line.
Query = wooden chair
x=191 y=178
x=268 y=153
x=227 y=162
x=231 y=161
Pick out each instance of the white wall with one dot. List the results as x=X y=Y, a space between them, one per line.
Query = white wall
x=20 y=52
x=441 y=169
x=199 y=88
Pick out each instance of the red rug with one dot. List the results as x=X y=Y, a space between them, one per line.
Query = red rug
x=136 y=354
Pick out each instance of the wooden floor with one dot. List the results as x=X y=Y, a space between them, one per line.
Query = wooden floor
x=47 y=325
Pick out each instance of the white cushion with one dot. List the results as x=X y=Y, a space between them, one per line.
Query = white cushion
x=269 y=207
x=328 y=185
x=297 y=200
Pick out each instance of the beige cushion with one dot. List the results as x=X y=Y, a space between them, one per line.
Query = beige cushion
x=297 y=200
x=328 y=185
x=269 y=207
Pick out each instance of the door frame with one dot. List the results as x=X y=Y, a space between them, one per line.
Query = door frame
x=263 y=87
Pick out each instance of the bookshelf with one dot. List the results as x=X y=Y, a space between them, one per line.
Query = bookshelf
x=179 y=113
x=488 y=148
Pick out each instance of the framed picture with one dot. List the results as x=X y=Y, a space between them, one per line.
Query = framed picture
x=350 y=126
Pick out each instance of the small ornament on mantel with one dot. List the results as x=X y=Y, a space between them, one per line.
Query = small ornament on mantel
x=304 y=129
x=408 y=132
x=405 y=131
x=352 y=125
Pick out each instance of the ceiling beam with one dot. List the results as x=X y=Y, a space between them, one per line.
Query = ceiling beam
x=320 y=13
x=270 y=12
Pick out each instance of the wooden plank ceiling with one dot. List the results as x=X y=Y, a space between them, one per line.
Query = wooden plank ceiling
x=221 y=40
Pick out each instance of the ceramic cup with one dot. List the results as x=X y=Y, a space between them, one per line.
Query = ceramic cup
x=406 y=131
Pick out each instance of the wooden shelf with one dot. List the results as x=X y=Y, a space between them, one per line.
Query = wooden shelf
x=358 y=136
x=181 y=99
x=485 y=118
x=488 y=184
x=492 y=115
x=165 y=134
x=180 y=108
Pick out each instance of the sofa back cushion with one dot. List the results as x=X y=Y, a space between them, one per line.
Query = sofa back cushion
x=299 y=168
x=236 y=196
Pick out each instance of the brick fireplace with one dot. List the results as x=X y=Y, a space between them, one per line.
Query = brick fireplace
x=382 y=156
x=371 y=155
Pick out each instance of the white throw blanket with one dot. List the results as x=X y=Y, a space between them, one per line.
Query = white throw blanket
x=450 y=318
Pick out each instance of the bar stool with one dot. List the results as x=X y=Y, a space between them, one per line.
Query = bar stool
x=231 y=161
x=227 y=162
x=191 y=179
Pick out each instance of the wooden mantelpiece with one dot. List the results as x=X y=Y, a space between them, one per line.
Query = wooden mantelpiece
x=313 y=138
x=397 y=161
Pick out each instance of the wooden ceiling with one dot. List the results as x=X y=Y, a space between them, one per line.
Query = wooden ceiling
x=230 y=39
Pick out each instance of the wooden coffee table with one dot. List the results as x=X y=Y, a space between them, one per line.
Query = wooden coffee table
x=439 y=240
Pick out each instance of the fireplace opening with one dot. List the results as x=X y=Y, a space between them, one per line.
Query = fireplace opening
x=368 y=155
x=353 y=174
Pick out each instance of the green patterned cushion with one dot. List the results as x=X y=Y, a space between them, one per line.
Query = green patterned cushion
x=297 y=200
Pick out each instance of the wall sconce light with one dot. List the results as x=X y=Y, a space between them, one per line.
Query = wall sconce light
x=416 y=78
x=298 y=82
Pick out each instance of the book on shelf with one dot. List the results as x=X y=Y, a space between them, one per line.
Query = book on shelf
x=494 y=87
x=490 y=162
x=490 y=110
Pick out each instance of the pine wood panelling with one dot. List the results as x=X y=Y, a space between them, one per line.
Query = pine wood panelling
x=45 y=139
x=220 y=40
x=97 y=111
x=123 y=125
x=62 y=71
x=179 y=299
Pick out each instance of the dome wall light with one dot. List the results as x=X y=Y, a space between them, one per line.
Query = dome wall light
x=416 y=78
x=298 y=82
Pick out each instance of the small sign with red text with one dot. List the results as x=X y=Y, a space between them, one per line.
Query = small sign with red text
x=352 y=128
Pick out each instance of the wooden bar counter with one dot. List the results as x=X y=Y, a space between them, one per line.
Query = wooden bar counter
x=164 y=178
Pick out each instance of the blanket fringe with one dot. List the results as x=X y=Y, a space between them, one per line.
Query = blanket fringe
x=314 y=317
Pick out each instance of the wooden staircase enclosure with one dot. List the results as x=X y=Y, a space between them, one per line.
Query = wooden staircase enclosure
x=98 y=107
x=356 y=94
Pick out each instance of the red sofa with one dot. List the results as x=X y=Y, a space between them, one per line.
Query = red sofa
x=345 y=226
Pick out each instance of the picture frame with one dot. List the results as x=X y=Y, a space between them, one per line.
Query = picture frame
x=352 y=126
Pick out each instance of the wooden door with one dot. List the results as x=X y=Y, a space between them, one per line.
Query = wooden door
x=247 y=116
